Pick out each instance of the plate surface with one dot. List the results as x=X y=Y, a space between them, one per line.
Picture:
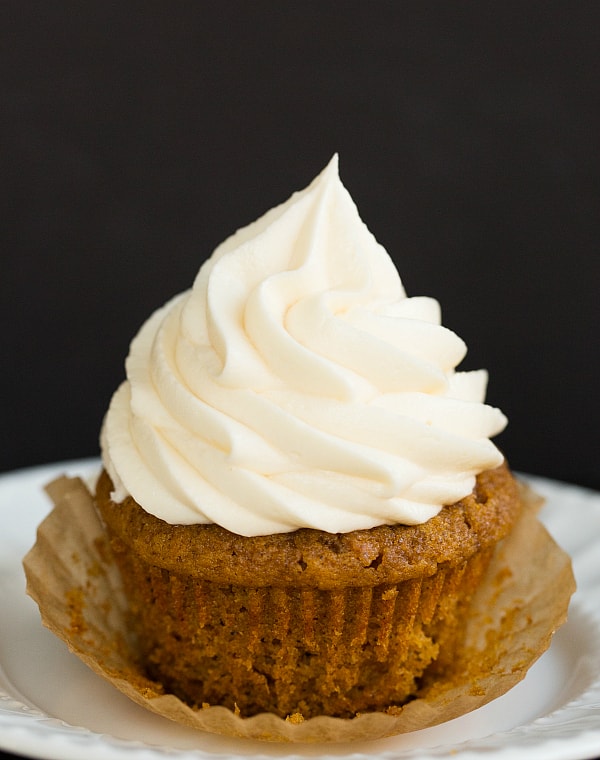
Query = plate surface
x=52 y=706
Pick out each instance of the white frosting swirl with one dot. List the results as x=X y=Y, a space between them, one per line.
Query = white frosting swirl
x=295 y=385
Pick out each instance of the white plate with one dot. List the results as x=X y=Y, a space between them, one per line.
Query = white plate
x=52 y=706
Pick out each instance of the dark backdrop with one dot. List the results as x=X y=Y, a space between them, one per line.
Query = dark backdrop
x=135 y=136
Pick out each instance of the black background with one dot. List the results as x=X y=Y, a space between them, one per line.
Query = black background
x=136 y=136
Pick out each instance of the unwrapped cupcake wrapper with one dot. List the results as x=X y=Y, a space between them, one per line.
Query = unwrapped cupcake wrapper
x=522 y=600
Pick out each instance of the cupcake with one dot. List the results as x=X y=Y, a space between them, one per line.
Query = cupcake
x=299 y=487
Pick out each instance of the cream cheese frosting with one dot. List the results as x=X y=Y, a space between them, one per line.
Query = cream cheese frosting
x=297 y=386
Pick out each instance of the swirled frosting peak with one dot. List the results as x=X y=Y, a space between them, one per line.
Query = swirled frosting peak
x=296 y=385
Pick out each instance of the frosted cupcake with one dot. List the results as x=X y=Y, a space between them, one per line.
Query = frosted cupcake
x=299 y=486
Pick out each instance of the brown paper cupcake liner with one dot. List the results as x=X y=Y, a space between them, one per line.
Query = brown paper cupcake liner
x=522 y=600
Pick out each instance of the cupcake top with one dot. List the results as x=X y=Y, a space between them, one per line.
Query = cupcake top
x=297 y=386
